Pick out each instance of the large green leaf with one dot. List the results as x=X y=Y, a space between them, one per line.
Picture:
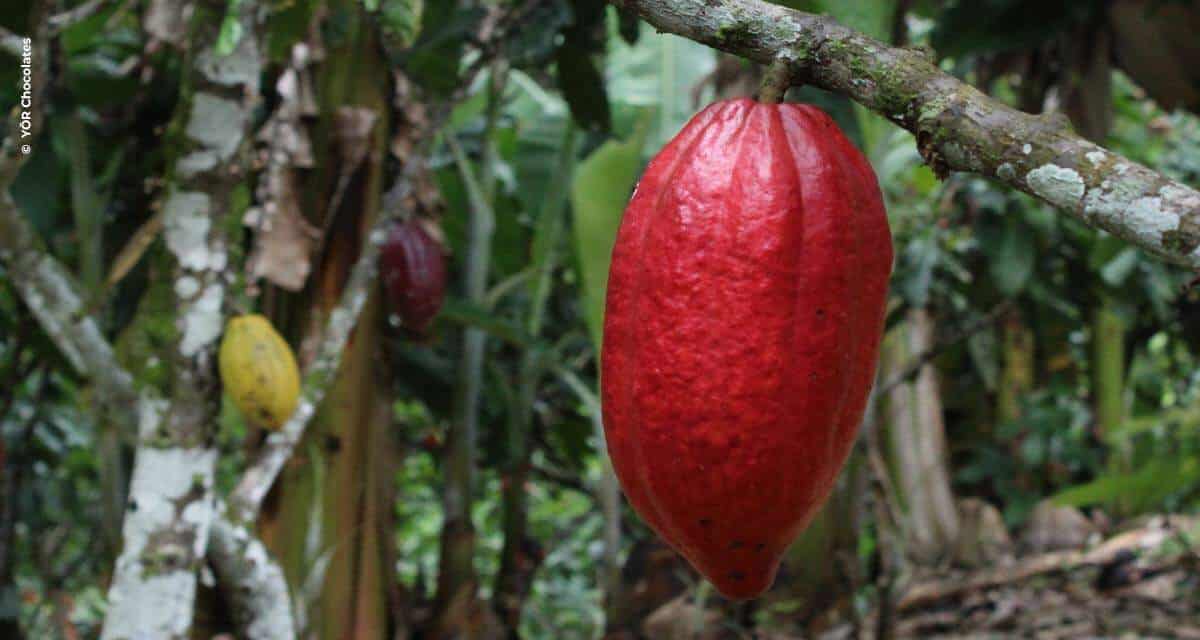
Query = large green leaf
x=603 y=182
x=434 y=59
x=401 y=20
x=583 y=87
x=579 y=76
x=1008 y=244
x=980 y=26
x=1145 y=488
x=872 y=17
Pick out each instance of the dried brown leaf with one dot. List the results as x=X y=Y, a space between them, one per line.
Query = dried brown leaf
x=284 y=239
x=134 y=249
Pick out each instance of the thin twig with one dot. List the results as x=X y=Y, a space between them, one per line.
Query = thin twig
x=564 y=480
x=65 y=20
x=917 y=362
x=12 y=43
x=1137 y=541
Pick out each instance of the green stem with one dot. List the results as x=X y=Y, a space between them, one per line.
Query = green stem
x=515 y=575
x=456 y=568
x=1108 y=386
x=1108 y=353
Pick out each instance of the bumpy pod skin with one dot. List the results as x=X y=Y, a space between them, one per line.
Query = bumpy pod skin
x=745 y=307
x=413 y=271
x=259 y=371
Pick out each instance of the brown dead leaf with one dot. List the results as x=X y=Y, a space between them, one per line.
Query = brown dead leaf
x=681 y=619
x=284 y=239
x=134 y=249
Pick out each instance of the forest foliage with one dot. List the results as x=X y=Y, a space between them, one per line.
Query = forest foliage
x=1067 y=361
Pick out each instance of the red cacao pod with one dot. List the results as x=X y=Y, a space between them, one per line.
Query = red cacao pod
x=413 y=270
x=745 y=306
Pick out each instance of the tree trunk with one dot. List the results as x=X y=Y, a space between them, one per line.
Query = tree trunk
x=171 y=499
x=329 y=517
x=916 y=438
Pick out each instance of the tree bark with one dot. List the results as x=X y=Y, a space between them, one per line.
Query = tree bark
x=171 y=499
x=916 y=437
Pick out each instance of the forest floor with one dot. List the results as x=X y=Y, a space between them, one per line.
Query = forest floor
x=1143 y=581
x=1065 y=576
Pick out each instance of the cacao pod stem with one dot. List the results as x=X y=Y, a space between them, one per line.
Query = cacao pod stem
x=777 y=79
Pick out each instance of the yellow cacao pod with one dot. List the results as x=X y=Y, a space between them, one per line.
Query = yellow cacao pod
x=259 y=371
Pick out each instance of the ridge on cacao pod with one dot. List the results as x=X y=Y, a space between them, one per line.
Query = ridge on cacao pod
x=413 y=271
x=745 y=308
x=258 y=371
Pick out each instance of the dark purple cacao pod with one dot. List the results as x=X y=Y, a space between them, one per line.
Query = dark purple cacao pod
x=413 y=269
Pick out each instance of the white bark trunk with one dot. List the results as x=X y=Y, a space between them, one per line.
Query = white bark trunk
x=171 y=501
x=165 y=531
x=253 y=584
x=917 y=441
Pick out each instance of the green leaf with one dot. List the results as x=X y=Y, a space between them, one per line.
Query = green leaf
x=981 y=346
x=534 y=43
x=599 y=193
x=288 y=24
x=921 y=256
x=401 y=21
x=1011 y=256
x=579 y=77
x=466 y=314
x=231 y=29
x=1144 y=488
x=434 y=60
x=980 y=26
x=548 y=231
x=582 y=86
x=1102 y=249
x=1118 y=270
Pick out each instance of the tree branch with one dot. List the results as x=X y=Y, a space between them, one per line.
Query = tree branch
x=1130 y=544
x=13 y=43
x=52 y=295
x=253 y=583
x=71 y=17
x=957 y=127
